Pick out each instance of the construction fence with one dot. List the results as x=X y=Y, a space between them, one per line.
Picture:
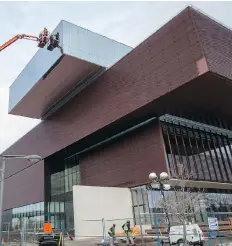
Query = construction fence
x=217 y=233
x=146 y=228
x=28 y=232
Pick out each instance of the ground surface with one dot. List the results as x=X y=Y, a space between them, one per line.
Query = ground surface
x=95 y=242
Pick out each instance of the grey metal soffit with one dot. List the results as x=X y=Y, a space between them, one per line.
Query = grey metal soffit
x=194 y=124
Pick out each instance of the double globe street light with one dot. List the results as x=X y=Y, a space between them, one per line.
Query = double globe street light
x=31 y=158
x=161 y=183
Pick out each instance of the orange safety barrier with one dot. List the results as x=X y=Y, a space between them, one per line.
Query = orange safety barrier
x=135 y=232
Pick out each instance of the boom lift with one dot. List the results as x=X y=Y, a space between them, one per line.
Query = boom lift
x=43 y=39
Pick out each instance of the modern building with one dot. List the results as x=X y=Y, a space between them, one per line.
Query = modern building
x=112 y=114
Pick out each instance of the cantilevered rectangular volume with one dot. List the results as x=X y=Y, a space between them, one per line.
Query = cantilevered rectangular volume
x=52 y=78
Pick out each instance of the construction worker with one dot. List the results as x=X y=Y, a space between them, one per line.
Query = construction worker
x=43 y=38
x=54 y=41
x=111 y=233
x=127 y=229
x=45 y=35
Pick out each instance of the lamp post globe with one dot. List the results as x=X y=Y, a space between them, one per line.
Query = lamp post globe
x=153 y=177
x=164 y=176
x=33 y=158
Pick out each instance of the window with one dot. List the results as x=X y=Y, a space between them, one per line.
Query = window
x=65 y=176
x=33 y=214
x=61 y=175
x=204 y=154
x=215 y=203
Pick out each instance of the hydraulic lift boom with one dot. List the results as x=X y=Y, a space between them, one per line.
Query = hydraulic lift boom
x=43 y=39
x=17 y=37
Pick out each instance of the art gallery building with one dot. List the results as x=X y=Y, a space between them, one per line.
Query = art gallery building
x=111 y=114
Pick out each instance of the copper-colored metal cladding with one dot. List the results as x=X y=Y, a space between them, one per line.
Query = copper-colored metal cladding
x=59 y=81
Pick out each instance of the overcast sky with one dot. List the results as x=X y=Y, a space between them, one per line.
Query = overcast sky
x=127 y=22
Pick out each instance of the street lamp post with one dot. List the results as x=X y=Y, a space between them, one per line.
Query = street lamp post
x=31 y=158
x=161 y=184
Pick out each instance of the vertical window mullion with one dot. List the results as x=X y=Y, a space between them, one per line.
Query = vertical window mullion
x=222 y=157
x=191 y=148
x=167 y=146
x=69 y=172
x=78 y=170
x=229 y=144
x=133 y=205
x=206 y=160
x=59 y=183
x=166 y=149
x=66 y=176
x=177 y=145
x=186 y=154
x=216 y=155
x=210 y=154
x=198 y=150
x=172 y=154
x=227 y=156
x=227 y=141
x=143 y=205
x=72 y=172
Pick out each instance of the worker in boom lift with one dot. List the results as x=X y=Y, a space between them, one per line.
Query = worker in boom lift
x=111 y=233
x=45 y=35
x=127 y=229
x=43 y=38
x=54 y=41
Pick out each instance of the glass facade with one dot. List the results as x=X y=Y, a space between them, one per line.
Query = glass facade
x=60 y=176
x=141 y=205
x=64 y=177
x=203 y=150
x=33 y=214
x=214 y=202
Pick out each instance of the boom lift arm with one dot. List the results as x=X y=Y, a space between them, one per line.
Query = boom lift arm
x=17 y=37
x=43 y=39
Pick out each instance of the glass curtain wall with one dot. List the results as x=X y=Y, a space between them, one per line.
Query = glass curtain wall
x=32 y=213
x=61 y=174
x=214 y=202
x=205 y=152
x=141 y=204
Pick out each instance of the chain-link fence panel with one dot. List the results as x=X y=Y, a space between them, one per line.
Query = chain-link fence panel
x=31 y=233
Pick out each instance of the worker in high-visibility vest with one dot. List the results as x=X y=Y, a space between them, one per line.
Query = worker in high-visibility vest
x=111 y=233
x=127 y=229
